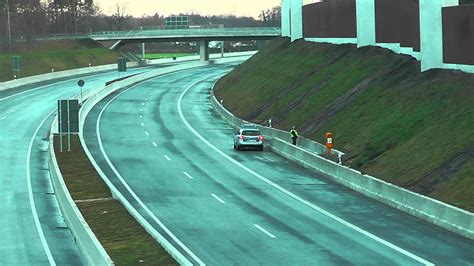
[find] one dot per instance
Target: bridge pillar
(296, 20)
(285, 18)
(365, 10)
(431, 32)
(204, 50)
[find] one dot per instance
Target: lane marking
(141, 110)
(143, 104)
(264, 231)
(4, 117)
(167, 157)
(218, 199)
(188, 175)
(154, 144)
(288, 193)
(142, 124)
(141, 116)
(30, 193)
(146, 99)
(134, 195)
(147, 133)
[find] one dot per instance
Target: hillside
(60, 55)
(410, 128)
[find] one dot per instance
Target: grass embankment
(60, 55)
(165, 55)
(126, 242)
(410, 128)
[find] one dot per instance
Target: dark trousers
(294, 140)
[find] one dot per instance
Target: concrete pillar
(204, 50)
(296, 19)
(431, 32)
(365, 13)
(285, 18)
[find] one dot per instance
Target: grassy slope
(410, 128)
(60, 55)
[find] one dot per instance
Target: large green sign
(177, 22)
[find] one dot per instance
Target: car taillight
(241, 137)
(261, 138)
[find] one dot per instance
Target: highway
(32, 229)
(161, 144)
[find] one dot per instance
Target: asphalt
(32, 229)
(171, 155)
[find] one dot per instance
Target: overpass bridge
(201, 35)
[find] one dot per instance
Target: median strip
(120, 234)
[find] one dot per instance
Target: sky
(139, 8)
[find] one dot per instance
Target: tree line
(24, 19)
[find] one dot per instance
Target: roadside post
(81, 83)
(329, 142)
(122, 65)
(16, 66)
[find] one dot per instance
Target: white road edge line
(188, 175)
(264, 231)
(167, 157)
(30, 194)
(122, 180)
(292, 195)
(154, 144)
(218, 199)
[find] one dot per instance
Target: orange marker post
(329, 143)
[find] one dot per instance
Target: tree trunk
(9, 27)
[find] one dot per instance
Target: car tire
(235, 147)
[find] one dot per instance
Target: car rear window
(250, 133)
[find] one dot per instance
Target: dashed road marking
(188, 175)
(141, 116)
(142, 124)
(167, 157)
(146, 133)
(154, 144)
(218, 199)
(264, 231)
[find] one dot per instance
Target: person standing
(294, 135)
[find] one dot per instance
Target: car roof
(249, 126)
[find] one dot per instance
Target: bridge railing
(270, 31)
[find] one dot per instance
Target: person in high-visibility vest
(294, 135)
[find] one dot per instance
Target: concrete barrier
(95, 96)
(89, 246)
(90, 70)
(307, 153)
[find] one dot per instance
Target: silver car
(248, 136)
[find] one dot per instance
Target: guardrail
(89, 246)
(431, 210)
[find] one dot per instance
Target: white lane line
(141, 116)
(270, 160)
(167, 157)
(3, 117)
(292, 195)
(141, 110)
(147, 133)
(134, 195)
(218, 199)
(142, 124)
(146, 99)
(264, 231)
(143, 104)
(154, 144)
(31, 197)
(188, 175)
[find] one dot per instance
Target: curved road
(167, 151)
(32, 229)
